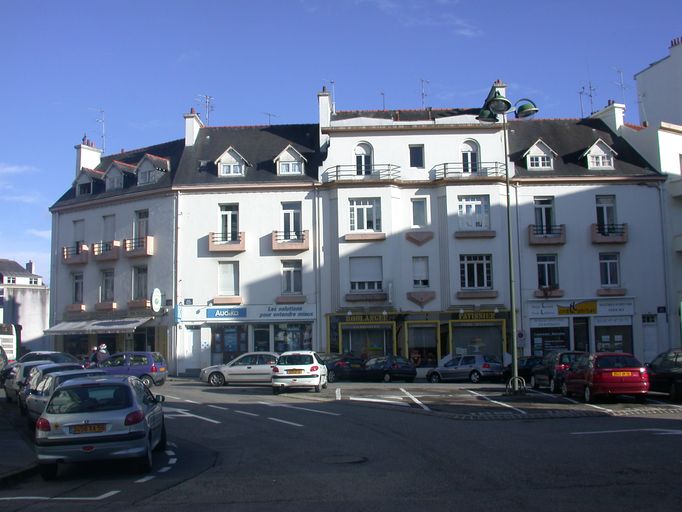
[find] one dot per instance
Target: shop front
(209, 335)
(586, 325)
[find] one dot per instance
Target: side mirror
(160, 399)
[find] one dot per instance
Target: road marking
(664, 403)
(172, 460)
(338, 393)
(604, 409)
(300, 408)
(656, 431)
(184, 413)
(192, 402)
(173, 397)
(145, 479)
(378, 400)
(286, 422)
(246, 413)
(496, 402)
(218, 407)
(170, 453)
(172, 444)
(164, 469)
(60, 498)
(416, 401)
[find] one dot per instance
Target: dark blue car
(149, 367)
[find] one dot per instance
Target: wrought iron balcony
(364, 173)
(141, 246)
(106, 251)
(290, 240)
(225, 242)
(609, 233)
(540, 234)
(76, 254)
(461, 171)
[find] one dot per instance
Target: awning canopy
(98, 326)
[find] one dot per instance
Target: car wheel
(216, 379)
(587, 395)
(552, 386)
(434, 378)
(163, 441)
(675, 391)
(146, 461)
(324, 384)
(48, 471)
(533, 382)
(387, 377)
(564, 390)
(474, 377)
(147, 381)
(331, 376)
(318, 388)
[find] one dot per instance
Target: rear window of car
(617, 362)
(80, 399)
(296, 359)
(569, 358)
(139, 360)
(158, 358)
(491, 359)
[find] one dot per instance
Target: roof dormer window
(290, 162)
(114, 181)
(84, 188)
(600, 156)
(540, 156)
(151, 168)
(231, 163)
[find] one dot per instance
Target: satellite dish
(156, 300)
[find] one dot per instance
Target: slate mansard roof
(570, 138)
(195, 165)
(11, 268)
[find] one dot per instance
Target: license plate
(621, 374)
(295, 372)
(162, 369)
(355, 366)
(88, 429)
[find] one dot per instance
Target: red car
(606, 374)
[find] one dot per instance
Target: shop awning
(98, 326)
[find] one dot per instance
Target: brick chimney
(30, 267)
(192, 126)
(87, 155)
(324, 103)
(613, 115)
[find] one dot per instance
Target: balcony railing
(458, 170)
(609, 233)
(76, 254)
(290, 240)
(364, 173)
(223, 242)
(141, 246)
(106, 251)
(540, 234)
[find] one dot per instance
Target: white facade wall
(658, 89)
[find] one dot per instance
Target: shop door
(581, 333)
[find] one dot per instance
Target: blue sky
(145, 63)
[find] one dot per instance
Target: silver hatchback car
(249, 368)
(99, 418)
(467, 367)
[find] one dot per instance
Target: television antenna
(621, 84)
(332, 83)
(589, 92)
(424, 94)
(207, 101)
(270, 116)
(383, 100)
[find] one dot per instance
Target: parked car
(665, 373)
(606, 373)
(48, 355)
(6, 372)
(248, 368)
(149, 367)
(525, 365)
(99, 418)
(550, 372)
(343, 367)
(17, 377)
(37, 399)
(473, 368)
(299, 369)
(3, 358)
(34, 376)
(389, 368)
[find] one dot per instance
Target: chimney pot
(192, 110)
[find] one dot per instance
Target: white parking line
(145, 479)
(246, 413)
(173, 397)
(496, 402)
(416, 401)
(338, 393)
(218, 407)
(378, 400)
(192, 402)
(164, 469)
(170, 453)
(172, 460)
(183, 413)
(61, 498)
(300, 408)
(286, 422)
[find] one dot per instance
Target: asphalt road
(385, 447)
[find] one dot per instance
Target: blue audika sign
(226, 313)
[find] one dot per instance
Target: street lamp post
(496, 106)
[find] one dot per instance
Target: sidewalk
(17, 459)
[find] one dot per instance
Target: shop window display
(422, 346)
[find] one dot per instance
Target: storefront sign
(477, 315)
(607, 307)
(366, 318)
(588, 307)
(613, 320)
(226, 313)
(539, 323)
(268, 313)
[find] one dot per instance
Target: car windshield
(491, 359)
(96, 398)
(569, 358)
(617, 361)
(294, 359)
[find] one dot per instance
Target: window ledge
(478, 294)
(290, 299)
(75, 308)
(476, 234)
(544, 293)
(364, 237)
(139, 304)
(105, 306)
(231, 300)
(611, 292)
(421, 298)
